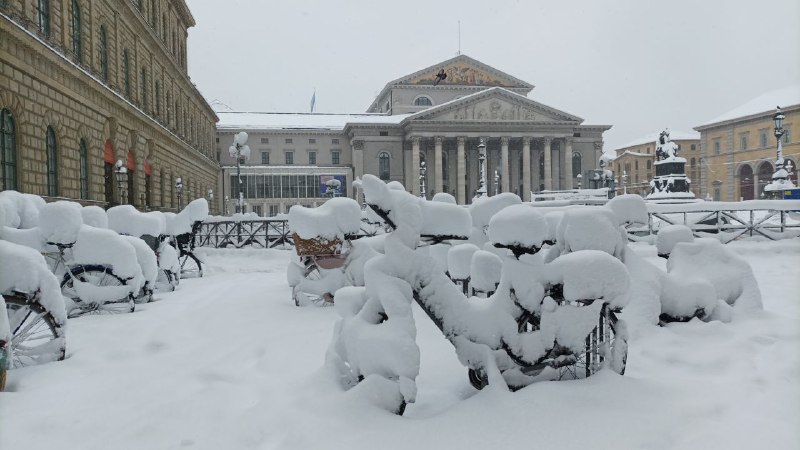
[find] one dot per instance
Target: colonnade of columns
(530, 148)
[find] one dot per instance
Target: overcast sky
(638, 65)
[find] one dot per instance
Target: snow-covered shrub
(94, 216)
(334, 219)
(59, 222)
(670, 235)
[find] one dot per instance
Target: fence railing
(773, 220)
(266, 233)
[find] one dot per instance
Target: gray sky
(637, 65)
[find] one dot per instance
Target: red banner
(131, 161)
(108, 152)
(148, 169)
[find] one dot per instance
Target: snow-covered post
(481, 192)
(496, 182)
(239, 150)
(422, 171)
(580, 178)
(780, 179)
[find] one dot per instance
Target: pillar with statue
(670, 182)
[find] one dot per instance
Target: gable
(463, 71)
(495, 104)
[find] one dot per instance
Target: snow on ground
(228, 361)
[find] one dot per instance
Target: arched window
(52, 163)
(8, 151)
(541, 167)
(153, 13)
(103, 47)
(423, 101)
(84, 168)
(158, 99)
(77, 48)
(44, 17)
(161, 188)
(131, 163)
(126, 72)
(765, 172)
(384, 171)
(164, 28)
(650, 164)
(746, 191)
(143, 88)
(576, 164)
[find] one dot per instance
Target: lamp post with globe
(780, 179)
(121, 173)
(240, 151)
(179, 190)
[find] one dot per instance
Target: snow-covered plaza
(228, 361)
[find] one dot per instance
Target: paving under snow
(228, 362)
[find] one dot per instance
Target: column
(505, 176)
(461, 173)
(358, 167)
(568, 163)
(414, 165)
(548, 165)
(438, 165)
(526, 169)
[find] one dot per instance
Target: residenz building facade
(415, 121)
(87, 85)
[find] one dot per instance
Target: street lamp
(580, 178)
(179, 190)
(422, 171)
(226, 205)
(239, 150)
(481, 192)
(211, 197)
(121, 172)
(780, 179)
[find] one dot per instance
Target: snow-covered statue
(670, 181)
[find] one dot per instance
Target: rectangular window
(762, 137)
(787, 135)
(273, 210)
(335, 157)
(288, 140)
(743, 142)
(717, 150)
(312, 158)
(384, 133)
(312, 141)
(257, 210)
(335, 141)
(289, 157)
(265, 158)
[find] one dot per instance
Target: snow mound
(146, 258)
(444, 197)
(396, 186)
(589, 228)
(629, 208)
(333, 219)
(669, 236)
(125, 219)
(24, 269)
(592, 274)
(483, 208)
(459, 259)
(20, 210)
(195, 211)
(485, 271)
(444, 219)
(518, 225)
(59, 222)
(101, 246)
(94, 216)
(731, 276)
(29, 237)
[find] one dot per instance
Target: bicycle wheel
(102, 277)
(311, 272)
(36, 337)
(606, 345)
(191, 267)
(166, 281)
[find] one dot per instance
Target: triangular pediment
(462, 71)
(495, 104)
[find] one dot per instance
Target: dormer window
(423, 100)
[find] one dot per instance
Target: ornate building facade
(418, 119)
(739, 148)
(634, 164)
(85, 84)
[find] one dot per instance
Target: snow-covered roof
(628, 152)
(767, 102)
(674, 135)
(300, 121)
